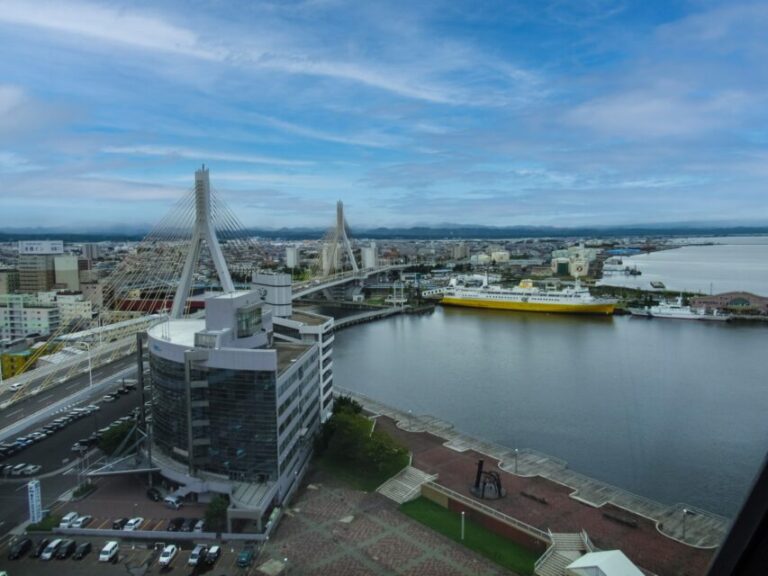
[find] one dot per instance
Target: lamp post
(516, 460)
(462, 524)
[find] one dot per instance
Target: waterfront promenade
(649, 532)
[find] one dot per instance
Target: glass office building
(233, 411)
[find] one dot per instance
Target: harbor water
(731, 263)
(671, 410)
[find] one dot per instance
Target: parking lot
(134, 558)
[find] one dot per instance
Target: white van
(68, 520)
(109, 552)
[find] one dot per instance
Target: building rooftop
(287, 354)
(178, 331)
(308, 318)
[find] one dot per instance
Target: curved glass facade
(233, 419)
(169, 407)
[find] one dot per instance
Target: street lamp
(462, 524)
(516, 460)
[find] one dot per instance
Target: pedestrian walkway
(544, 492)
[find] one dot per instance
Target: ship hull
(606, 309)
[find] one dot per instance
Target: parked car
(17, 469)
(168, 554)
(38, 549)
(174, 502)
(68, 519)
(189, 524)
(19, 548)
(82, 550)
(51, 549)
(154, 494)
(119, 524)
(82, 521)
(199, 526)
(174, 524)
(197, 555)
(212, 555)
(108, 398)
(66, 549)
(245, 558)
(110, 552)
(134, 523)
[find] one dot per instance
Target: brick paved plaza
(337, 531)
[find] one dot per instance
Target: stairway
(565, 549)
(406, 485)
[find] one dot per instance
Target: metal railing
(492, 512)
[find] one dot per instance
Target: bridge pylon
(337, 249)
(203, 230)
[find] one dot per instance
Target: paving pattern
(336, 531)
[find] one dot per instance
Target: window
(248, 320)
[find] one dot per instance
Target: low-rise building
(735, 302)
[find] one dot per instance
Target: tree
(112, 439)
(216, 514)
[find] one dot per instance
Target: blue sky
(501, 113)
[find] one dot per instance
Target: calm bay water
(732, 264)
(672, 410)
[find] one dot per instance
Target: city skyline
(503, 114)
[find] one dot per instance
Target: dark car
(154, 494)
(212, 555)
(245, 558)
(119, 524)
(19, 548)
(66, 549)
(39, 547)
(189, 524)
(82, 550)
(175, 524)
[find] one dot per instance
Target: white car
(168, 554)
(82, 521)
(134, 523)
(16, 386)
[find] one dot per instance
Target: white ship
(675, 310)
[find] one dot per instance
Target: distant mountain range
(443, 231)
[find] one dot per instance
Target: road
(54, 453)
(31, 404)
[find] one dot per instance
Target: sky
(507, 113)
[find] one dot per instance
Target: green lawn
(500, 550)
(366, 479)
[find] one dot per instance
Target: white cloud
(201, 155)
(659, 113)
(106, 24)
(368, 139)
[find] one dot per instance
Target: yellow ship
(525, 297)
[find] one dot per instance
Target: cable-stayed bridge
(198, 240)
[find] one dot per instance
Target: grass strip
(496, 548)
